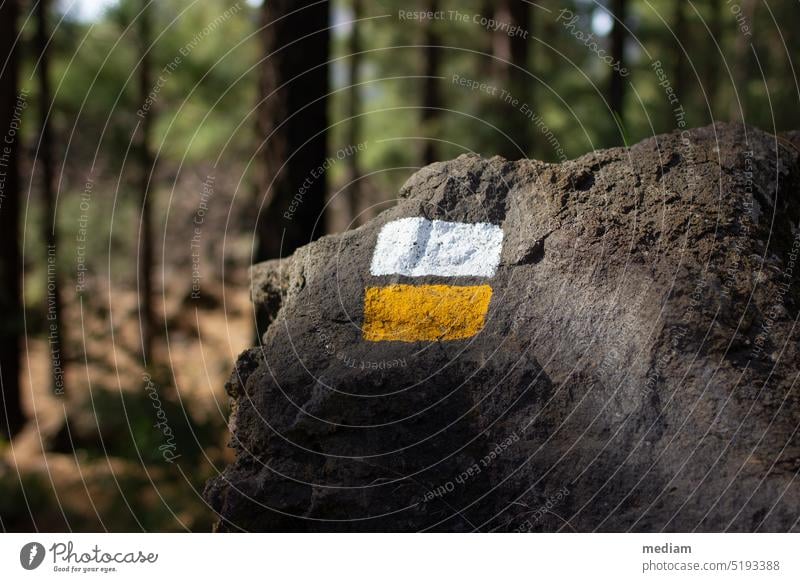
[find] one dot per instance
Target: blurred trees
(514, 64)
(431, 93)
(743, 66)
(389, 85)
(143, 112)
(617, 82)
(354, 193)
(53, 304)
(679, 64)
(11, 106)
(711, 72)
(144, 258)
(292, 123)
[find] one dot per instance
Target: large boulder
(636, 368)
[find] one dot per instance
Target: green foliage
(204, 69)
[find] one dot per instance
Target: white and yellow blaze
(416, 247)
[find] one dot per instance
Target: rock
(268, 282)
(636, 369)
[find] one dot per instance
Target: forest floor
(97, 457)
(90, 459)
(124, 448)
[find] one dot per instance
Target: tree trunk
(146, 162)
(354, 126)
(711, 77)
(53, 303)
(431, 97)
(616, 87)
(679, 68)
(741, 62)
(487, 66)
(11, 417)
(292, 124)
(512, 52)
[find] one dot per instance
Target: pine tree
(616, 87)
(11, 416)
(431, 97)
(146, 166)
(354, 106)
(292, 124)
(53, 304)
(512, 52)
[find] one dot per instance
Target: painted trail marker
(416, 247)
(424, 312)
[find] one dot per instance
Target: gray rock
(637, 371)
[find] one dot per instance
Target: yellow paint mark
(411, 313)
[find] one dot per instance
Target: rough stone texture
(637, 372)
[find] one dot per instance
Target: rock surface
(638, 368)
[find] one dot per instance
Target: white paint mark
(417, 246)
